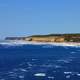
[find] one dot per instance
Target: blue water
(24, 62)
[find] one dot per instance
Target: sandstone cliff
(49, 38)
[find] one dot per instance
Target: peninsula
(49, 38)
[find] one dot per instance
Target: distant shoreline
(49, 38)
(22, 42)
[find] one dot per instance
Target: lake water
(39, 62)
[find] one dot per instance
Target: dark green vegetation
(71, 35)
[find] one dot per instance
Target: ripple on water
(40, 74)
(73, 52)
(68, 76)
(2, 79)
(21, 76)
(51, 77)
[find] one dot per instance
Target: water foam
(46, 44)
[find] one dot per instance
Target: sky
(30, 17)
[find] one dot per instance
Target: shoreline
(40, 43)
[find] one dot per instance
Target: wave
(45, 44)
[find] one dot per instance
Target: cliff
(49, 38)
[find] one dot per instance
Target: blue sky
(27, 17)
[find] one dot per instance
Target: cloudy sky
(28, 17)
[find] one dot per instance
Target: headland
(52, 39)
(49, 38)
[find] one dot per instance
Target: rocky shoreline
(22, 42)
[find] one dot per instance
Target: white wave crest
(46, 44)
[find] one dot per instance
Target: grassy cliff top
(63, 35)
